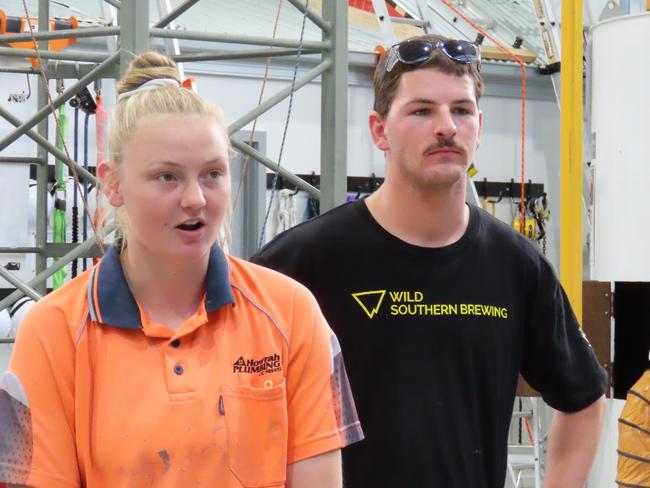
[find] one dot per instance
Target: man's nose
(445, 126)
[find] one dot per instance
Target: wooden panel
(596, 321)
(596, 324)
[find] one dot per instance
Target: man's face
(431, 131)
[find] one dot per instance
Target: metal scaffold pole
(41, 169)
(334, 108)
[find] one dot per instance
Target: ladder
(524, 459)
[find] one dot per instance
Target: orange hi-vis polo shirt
(99, 395)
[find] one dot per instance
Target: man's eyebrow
(422, 100)
(433, 102)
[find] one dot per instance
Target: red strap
(189, 83)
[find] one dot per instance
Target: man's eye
(461, 111)
(214, 174)
(422, 111)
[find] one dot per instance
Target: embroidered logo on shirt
(265, 365)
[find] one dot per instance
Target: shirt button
(178, 369)
(175, 343)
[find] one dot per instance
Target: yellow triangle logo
(372, 301)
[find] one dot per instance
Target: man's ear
(377, 124)
(107, 174)
(480, 129)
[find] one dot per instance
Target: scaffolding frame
(134, 36)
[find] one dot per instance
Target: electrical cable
(75, 206)
(247, 158)
(86, 214)
(286, 125)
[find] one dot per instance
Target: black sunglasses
(416, 51)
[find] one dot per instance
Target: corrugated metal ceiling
(504, 19)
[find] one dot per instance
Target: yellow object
(571, 155)
(472, 170)
(634, 436)
(487, 202)
(530, 230)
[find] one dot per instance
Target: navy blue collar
(111, 302)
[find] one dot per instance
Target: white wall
(14, 177)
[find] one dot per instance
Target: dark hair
(386, 83)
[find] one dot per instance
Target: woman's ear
(109, 180)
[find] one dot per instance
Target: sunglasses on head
(417, 51)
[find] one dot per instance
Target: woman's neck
(168, 294)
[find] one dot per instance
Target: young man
(438, 306)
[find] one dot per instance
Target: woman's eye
(166, 178)
(214, 174)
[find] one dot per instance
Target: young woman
(171, 364)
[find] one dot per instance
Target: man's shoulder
(506, 238)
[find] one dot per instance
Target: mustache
(445, 142)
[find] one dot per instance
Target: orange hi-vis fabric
(98, 395)
(634, 436)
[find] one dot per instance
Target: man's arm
(572, 445)
(322, 471)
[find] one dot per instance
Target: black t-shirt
(433, 340)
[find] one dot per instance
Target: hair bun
(145, 67)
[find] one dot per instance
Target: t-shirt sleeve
(558, 360)
(322, 414)
(37, 442)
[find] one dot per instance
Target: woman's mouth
(190, 225)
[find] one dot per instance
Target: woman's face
(174, 186)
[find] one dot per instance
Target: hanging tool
(488, 201)
(18, 25)
(75, 197)
(59, 223)
(85, 102)
(21, 97)
(84, 225)
(538, 208)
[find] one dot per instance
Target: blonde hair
(169, 99)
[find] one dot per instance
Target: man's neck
(435, 218)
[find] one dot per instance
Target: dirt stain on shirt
(164, 455)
